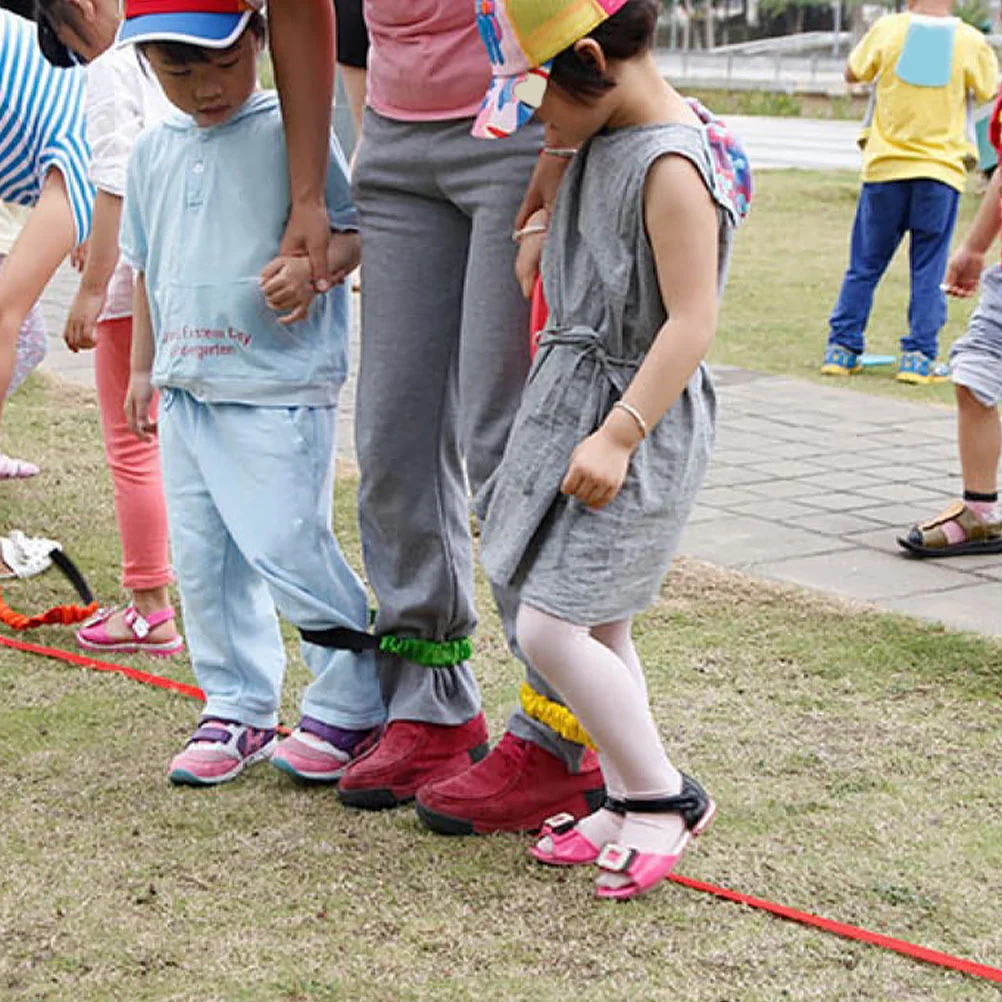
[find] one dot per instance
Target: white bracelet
(564, 152)
(528, 231)
(635, 414)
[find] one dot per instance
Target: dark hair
(627, 33)
(23, 8)
(184, 53)
(50, 15)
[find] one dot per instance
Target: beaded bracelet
(564, 152)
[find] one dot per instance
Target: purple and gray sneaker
(219, 751)
(316, 752)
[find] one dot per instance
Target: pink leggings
(135, 466)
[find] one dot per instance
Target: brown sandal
(929, 540)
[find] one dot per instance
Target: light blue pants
(249, 493)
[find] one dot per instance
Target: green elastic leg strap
(429, 653)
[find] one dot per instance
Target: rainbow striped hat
(522, 37)
(215, 24)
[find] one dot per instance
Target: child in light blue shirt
(249, 365)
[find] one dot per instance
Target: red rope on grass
(847, 931)
(946, 960)
(82, 661)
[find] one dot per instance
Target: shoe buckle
(560, 824)
(616, 858)
(135, 622)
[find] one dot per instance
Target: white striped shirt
(41, 123)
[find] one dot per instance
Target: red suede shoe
(410, 754)
(515, 789)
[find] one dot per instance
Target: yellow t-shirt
(921, 131)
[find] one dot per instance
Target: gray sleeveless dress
(593, 567)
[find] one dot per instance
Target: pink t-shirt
(426, 62)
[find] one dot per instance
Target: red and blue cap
(214, 24)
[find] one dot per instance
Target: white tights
(598, 674)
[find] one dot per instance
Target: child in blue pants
(924, 65)
(249, 371)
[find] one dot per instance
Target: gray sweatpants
(443, 361)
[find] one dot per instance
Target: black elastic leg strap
(340, 638)
(691, 803)
(73, 575)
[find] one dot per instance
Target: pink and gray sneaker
(316, 752)
(219, 751)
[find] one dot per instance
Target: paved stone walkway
(810, 485)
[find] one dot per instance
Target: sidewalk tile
(907, 493)
(974, 607)
(883, 538)
(789, 469)
(783, 489)
(721, 497)
(733, 476)
(776, 510)
(840, 501)
(862, 574)
(732, 455)
(842, 480)
(835, 523)
(740, 541)
(898, 515)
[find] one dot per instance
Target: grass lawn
(789, 260)
(855, 758)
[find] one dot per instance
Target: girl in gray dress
(615, 429)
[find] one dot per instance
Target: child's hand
(138, 401)
(344, 252)
(287, 285)
(79, 332)
(963, 274)
(598, 468)
(530, 251)
(78, 257)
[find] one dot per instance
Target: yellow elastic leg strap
(558, 718)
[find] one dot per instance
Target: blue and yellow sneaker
(921, 370)
(840, 361)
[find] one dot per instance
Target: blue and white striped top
(41, 123)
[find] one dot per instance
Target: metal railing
(779, 72)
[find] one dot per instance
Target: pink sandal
(645, 870)
(94, 635)
(568, 846)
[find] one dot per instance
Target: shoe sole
(312, 778)
(181, 777)
(913, 380)
(385, 798)
(956, 550)
(832, 370)
(445, 824)
(153, 650)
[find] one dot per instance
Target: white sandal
(16, 469)
(26, 556)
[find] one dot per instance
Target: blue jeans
(886, 212)
(249, 493)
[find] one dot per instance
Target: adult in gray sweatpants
(444, 357)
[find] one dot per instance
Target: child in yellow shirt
(926, 67)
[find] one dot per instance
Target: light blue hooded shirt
(205, 211)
